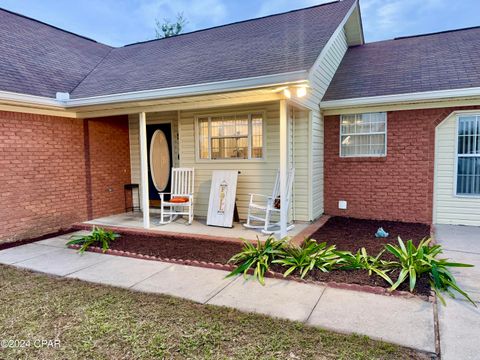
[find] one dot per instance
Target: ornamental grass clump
(259, 257)
(362, 261)
(410, 262)
(413, 261)
(99, 236)
(310, 255)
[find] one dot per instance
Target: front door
(159, 144)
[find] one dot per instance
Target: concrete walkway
(459, 321)
(406, 322)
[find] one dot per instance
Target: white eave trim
(28, 99)
(190, 90)
(401, 98)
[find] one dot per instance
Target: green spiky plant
(362, 261)
(308, 256)
(259, 257)
(97, 236)
(413, 261)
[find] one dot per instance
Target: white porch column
(283, 167)
(142, 119)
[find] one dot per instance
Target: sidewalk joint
(155, 273)
(220, 290)
(315, 306)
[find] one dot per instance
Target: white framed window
(468, 155)
(363, 135)
(237, 136)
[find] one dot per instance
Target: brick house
(384, 130)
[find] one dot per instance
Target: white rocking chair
(262, 212)
(181, 196)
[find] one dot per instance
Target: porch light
(301, 91)
(287, 93)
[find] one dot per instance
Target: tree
(168, 29)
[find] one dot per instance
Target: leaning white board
(222, 198)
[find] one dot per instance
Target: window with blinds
(234, 136)
(468, 155)
(363, 135)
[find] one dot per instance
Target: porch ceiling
(181, 103)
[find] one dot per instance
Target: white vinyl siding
(317, 161)
(322, 74)
(450, 208)
(256, 175)
(300, 160)
(320, 77)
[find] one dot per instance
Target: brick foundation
(398, 187)
(44, 162)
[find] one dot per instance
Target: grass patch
(101, 322)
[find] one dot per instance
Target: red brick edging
(271, 274)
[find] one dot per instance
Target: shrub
(308, 256)
(414, 261)
(258, 257)
(98, 236)
(362, 261)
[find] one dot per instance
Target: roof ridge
(436, 33)
(237, 22)
(53, 26)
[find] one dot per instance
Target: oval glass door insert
(159, 160)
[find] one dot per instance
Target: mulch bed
(352, 234)
(177, 247)
(346, 233)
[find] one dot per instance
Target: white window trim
(353, 134)
(232, 160)
(455, 179)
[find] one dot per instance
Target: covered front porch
(134, 220)
(282, 134)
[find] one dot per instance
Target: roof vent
(62, 96)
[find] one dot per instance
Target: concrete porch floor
(199, 226)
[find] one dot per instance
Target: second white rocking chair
(262, 212)
(181, 196)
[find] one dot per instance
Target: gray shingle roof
(270, 45)
(440, 61)
(39, 59)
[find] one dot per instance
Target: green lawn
(99, 322)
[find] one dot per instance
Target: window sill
(473, 196)
(363, 159)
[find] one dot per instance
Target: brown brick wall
(110, 164)
(397, 187)
(43, 171)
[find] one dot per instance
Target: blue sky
(120, 22)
